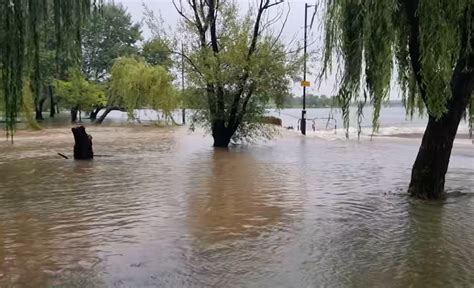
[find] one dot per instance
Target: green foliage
(20, 23)
(194, 98)
(157, 51)
(136, 84)
(80, 93)
(371, 35)
(28, 107)
(312, 101)
(235, 84)
(109, 34)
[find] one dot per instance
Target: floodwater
(160, 207)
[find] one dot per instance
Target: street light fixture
(305, 83)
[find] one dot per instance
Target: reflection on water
(165, 209)
(232, 202)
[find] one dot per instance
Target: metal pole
(303, 113)
(183, 111)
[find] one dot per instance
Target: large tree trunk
(106, 112)
(74, 111)
(221, 134)
(93, 114)
(83, 144)
(52, 111)
(431, 165)
(39, 114)
(39, 110)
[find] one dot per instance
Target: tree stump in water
(83, 144)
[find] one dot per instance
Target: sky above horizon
(293, 30)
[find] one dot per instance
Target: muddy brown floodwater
(166, 209)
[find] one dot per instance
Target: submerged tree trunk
(106, 112)
(431, 165)
(102, 117)
(52, 110)
(83, 144)
(39, 110)
(74, 111)
(221, 134)
(39, 114)
(93, 114)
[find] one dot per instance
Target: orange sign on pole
(305, 83)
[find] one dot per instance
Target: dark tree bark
(93, 115)
(432, 161)
(221, 134)
(83, 144)
(74, 111)
(52, 111)
(39, 110)
(106, 112)
(431, 165)
(203, 18)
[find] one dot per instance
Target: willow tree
(20, 24)
(429, 43)
(239, 64)
(135, 84)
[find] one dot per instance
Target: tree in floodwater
(135, 84)
(78, 94)
(239, 64)
(20, 23)
(430, 44)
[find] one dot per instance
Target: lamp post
(183, 111)
(304, 83)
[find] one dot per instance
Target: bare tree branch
(212, 22)
(268, 5)
(264, 5)
(181, 12)
(190, 61)
(282, 26)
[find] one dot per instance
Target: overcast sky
(293, 30)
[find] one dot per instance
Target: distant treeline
(323, 101)
(312, 101)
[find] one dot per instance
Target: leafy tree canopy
(109, 34)
(136, 84)
(157, 51)
(241, 69)
(430, 44)
(23, 20)
(80, 93)
(373, 38)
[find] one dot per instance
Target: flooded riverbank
(166, 209)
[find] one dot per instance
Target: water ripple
(164, 209)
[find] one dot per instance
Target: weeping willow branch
(13, 59)
(20, 22)
(425, 38)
